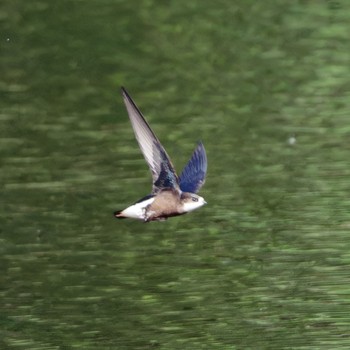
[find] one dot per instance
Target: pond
(264, 85)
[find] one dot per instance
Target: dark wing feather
(192, 177)
(163, 172)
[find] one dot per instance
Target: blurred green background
(265, 85)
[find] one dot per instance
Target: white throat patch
(193, 205)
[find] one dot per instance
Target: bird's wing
(193, 175)
(163, 172)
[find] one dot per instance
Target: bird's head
(191, 201)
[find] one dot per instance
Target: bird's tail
(119, 214)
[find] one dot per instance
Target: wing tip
(200, 144)
(201, 149)
(123, 91)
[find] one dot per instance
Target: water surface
(265, 265)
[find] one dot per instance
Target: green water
(265, 86)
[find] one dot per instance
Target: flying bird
(171, 195)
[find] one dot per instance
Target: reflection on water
(264, 265)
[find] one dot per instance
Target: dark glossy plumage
(163, 173)
(192, 177)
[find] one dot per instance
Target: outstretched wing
(192, 177)
(163, 173)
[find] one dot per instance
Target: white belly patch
(137, 210)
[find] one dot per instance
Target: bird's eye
(194, 199)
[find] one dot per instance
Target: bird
(171, 195)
